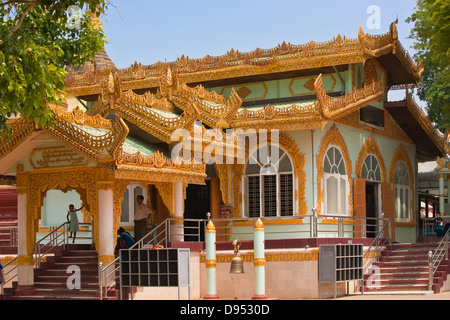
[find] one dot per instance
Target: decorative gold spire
(259, 226)
(210, 228)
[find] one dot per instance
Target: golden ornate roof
(285, 57)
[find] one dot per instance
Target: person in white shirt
(142, 214)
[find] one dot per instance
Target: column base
(211, 297)
(260, 297)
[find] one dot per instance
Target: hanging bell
(237, 264)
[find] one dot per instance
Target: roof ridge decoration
(19, 130)
(378, 45)
(441, 140)
(195, 104)
(335, 108)
(314, 53)
(102, 148)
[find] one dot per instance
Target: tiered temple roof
(153, 101)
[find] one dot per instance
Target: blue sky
(148, 31)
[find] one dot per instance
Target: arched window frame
(371, 168)
(402, 193)
(338, 172)
(278, 186)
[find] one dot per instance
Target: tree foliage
(38, 39)
(431, 32)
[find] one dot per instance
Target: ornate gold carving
(25, 260)
(165, 190)
(81, 180)
(333, 138)
(80, 117)
(102, 148)
(19, 131)
(335, 108)
(284, 57)
(238, 171)
(376, 46)
(106, 259)
(298, 159)
(7, 181)
(401, 155)
(222, 171)
(272, 115)
(259, 262)
(210, 228)
(211, 263)
(370, 147)
(439, 140)
(311, 255)
(259, 226)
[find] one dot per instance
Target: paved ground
(439, 296)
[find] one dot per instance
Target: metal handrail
(13, 232)
(53, 238)
(104, 275)
(382, 239)
(373, 253)
(435, 259)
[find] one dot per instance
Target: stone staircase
(52, 277)
(8, 219)
(404, 269)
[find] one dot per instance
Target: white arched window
(371, 170)
(335, 183)
(402, 193)
(269, 185)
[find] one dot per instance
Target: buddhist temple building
(344, 151)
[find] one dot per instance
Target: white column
(106, 233)
(441, 194)
(177, 227)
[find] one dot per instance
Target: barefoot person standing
(72, 219)
(143, 212)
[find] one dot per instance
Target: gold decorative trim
(25, 260)
(259, 262)
(259, 225)
(20, 130)
(298, 161)
(376, 46)
(333, 138)
(211, 263)
(313, 255)
(335, 108)
(401, 155)
(210, 228)
(370, 147)
(106, 259)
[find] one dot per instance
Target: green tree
(38, 39)
(431, 32)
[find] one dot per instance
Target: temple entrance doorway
(196, 205)
(372, 208)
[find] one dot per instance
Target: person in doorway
(72, 219)
(142, 214)
(124, 240)
(438, 225)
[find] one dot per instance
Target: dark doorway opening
(196, 205)
(371, 209)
